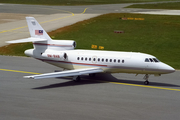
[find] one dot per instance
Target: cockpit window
(151, 60)
(146, 60)
(155, 59)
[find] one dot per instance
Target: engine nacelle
(55, 55)
(55, 45)
(62, 45)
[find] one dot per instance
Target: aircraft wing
(66, 73)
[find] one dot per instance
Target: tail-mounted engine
(56, 45)
(62, 45)
(55, 55)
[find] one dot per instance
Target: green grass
(75, 2)
(156, 35)
(15, 49)
(172, 6)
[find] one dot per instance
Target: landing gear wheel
(76, 78)
(146, 82)
(146, 78)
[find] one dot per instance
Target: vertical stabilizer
(42, 41)
(35, 29)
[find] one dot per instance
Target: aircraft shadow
(101, 78)
(68, 83)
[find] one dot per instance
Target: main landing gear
(146, 78)
(76, 78)
(92, 75)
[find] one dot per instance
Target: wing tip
(29, 77)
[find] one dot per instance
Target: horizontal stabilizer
(66, 73)
(31, 39)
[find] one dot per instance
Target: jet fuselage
(109, 61)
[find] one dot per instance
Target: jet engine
(55, 55)
(61, 45)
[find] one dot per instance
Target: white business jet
(61, 53)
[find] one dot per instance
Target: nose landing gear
(146, 78)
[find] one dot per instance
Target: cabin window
(122, 61)
(110, 60)
(119, 61)
(98, 59)
(94, 59)
(114, 60)
(106, 60)
(146, 60)
(78, 58)
(82, 58)
(86, 59)
(102, 60)
(89, 59)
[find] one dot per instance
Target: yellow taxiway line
(84, 11)
(72, 14)
(18, 71)
(145, 86)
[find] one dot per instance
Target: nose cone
(164, 68)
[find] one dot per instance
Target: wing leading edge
(66, 73)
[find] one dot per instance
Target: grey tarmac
(116, 96)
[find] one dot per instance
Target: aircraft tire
(146, 82)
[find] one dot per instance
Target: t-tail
(35, 29)
(41, 40)
(37, 33)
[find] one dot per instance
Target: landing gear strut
(146, 78)
(76, 78)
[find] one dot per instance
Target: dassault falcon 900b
(61, 53)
